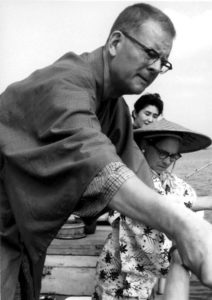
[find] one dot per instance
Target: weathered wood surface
(89, 245)
(70, 267)
(198, 291)
(67, 275)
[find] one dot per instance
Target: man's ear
(115, 42)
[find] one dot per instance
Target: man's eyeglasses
(152, 54)
(164, 154)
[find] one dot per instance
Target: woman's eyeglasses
(164, 154)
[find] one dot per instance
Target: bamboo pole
(197, 170)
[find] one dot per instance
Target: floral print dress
(135, 255)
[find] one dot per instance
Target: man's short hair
(132, 17)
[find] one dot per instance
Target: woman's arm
(177, 282)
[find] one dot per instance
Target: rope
(197, 170)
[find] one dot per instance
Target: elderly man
(67, 146)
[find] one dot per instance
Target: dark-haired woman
(147, 109)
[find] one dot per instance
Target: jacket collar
(97, 61)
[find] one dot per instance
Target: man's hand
(194, 242)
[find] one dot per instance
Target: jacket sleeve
(52, 147)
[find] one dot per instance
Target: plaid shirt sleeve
(102, 188)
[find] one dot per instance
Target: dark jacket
(56, 133)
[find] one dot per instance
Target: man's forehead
(153, 34)
(151, 26)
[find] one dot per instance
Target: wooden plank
(65, 297)
(78, 298)
(66, 261)
(70, 265)
(199, 292)
(69, 281)
(90, 245)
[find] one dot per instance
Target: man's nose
(156, 66)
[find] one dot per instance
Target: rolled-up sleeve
(102, 189)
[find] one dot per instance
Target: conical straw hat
(190, 140)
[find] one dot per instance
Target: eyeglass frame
(165, 154)
(149, 52)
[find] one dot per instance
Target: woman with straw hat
(178, 139)
(135, 255)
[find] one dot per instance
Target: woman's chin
(160, 170)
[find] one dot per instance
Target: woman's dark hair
(149, 99)
(132, 17)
